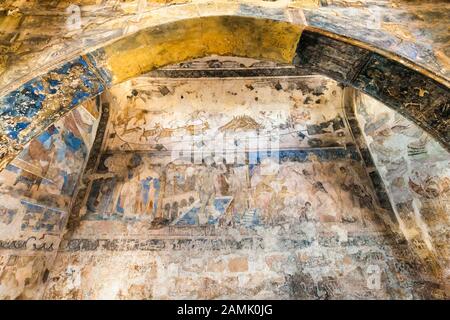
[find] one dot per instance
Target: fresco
(224, 188)
(152, 119)
(156, 183)
(168, 214)
(36, 191)
(152, 188)
(48, 169)
(19, 267)
(277, 230)
(416, 171)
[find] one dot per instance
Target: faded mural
(36, 191)
(416, 171)
(184, 205)
(224, 177)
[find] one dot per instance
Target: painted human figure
(237, 187)
(152, 196)
(222, 183)
(360, 198)
(127, 199)
(146, 197)
(206, 191)
(306, 213)
(345, 180)
(98, 202)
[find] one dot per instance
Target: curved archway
(26, 111)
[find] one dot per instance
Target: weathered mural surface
(416, 171)
(36, 191)
(169, 156)
(184, 204)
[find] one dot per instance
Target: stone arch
(424, 98)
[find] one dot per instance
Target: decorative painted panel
(36, 192)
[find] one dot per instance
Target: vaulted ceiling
(373, 46)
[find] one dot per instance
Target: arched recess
(409, 89)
